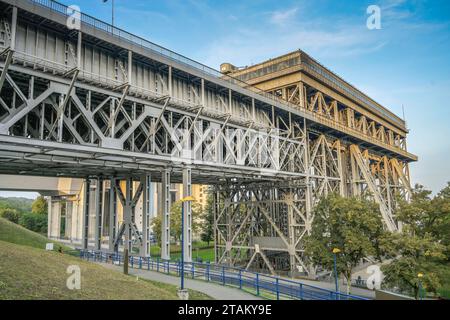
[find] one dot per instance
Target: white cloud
(282, 18)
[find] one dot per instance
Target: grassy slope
(11, 232)
(29, 272)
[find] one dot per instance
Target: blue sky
(407, 62)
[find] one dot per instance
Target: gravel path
(213, 290)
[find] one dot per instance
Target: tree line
(25, 212)
(418, 257)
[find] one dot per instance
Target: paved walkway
(213, 290)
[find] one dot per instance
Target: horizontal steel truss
(262, 225)
(318, 102)
(53, 111)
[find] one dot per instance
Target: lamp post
(420, 276)
(112, 11)
(335, 252)
(186, 199)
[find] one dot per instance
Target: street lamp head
(420, 275)
(336, 250)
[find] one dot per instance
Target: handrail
(260, 284)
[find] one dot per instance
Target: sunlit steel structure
(99, 103)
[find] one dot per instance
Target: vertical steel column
(60, 118)
(112, 213)
(86, 208)
(13, 28)
(127, 212)
(146, 207)
(216, 204)
(98, 213)
(130, 66)
(187, 211)
(79, 48)
(165, 218)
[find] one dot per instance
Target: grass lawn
(28, 272)
(200, 250)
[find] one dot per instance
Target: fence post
(301, 292)
(240, 279)
(257, 284)
(223, 276)
(148, 263)
(168, 266)
(193, 270)
(278, 288)
(207, 271)
(132, 261)
(157, 264)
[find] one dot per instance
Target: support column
(49, 217)
(146, 207)
(165, 217)
(86, 207)
(98, 214)
(187, 208)
(74, 224)
(55, 226)
(13, 28)
(68, 222)
(79, 48)
(112, 213)
(127, 213)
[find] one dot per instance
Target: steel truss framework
(269, 167)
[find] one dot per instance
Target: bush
(10, 214)
(34, 222)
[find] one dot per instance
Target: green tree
(39, 206)
(422, 245)
(413, 255)
(34, 222)
(352, 225)
(208, 230)
(10, 214)
(175, 221)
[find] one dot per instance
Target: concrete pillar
(187, 206)
(55, 219)
(146, 208)
(86, 210)
(68, 215)
(74, 223)
(165, 215)
(98, 213)
(49, 217)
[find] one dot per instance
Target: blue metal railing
(259, 284)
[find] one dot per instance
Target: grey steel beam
(86, 213)
(165, 214)
(112, 213)
(187, 210)
(98, 213)
(146, 209)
